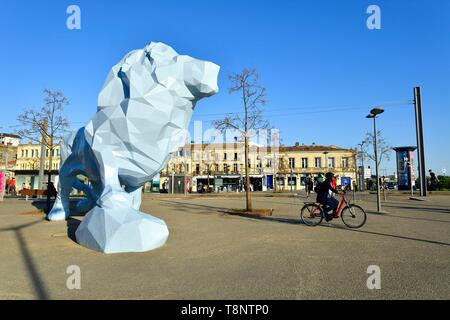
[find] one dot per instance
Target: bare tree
(246, 83)
(384, 149)
(46, 126)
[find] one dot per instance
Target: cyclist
(325, 195)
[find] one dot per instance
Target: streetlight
(361, 174)
(373, 115)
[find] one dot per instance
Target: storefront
(174, 184)
(292, 181)
(29, 179)
(228, 183)
(281, 182)
(256, 182)
(269, 182)
(200, 184)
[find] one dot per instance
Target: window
(46, 152)
(197, 168)
(37, 153)
(331, 162)
(269, 163)
(304, 163)
(187, 167)
(23, 153)
(225, 168)
(32, 153)
(318, 162)
(224, 156)
(344, 162)
(216, 167)
(235, 168)
(26, 153)
(291, 163)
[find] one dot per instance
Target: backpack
(317, 187)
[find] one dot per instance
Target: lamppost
(373, 115)
(361, 174)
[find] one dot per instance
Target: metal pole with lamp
(373, 115)
(361, 174)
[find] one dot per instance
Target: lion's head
(145, 106)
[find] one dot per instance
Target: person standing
(7, 185)
(12, 186)
(433, 180)
(309, 184)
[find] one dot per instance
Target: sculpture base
(121, 229)
(57, 213)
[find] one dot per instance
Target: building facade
(8, 153)
(28, 164)
(221, 167)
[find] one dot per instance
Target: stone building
(8, 153)
(220, 167)
(28, 164)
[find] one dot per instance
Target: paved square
(213, 255)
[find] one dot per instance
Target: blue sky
(321, 65)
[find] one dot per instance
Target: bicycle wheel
(353, 216)
(311, 214)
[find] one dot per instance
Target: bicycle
(352, 215)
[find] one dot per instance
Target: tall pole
(420, 146)
(41, 164)
(173, 179)
(361, 174)
(376, 162)
(248, 198)
(185, 177)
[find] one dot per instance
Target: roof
(314, 148)
(238, 145)
(10, 135)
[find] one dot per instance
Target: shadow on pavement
(36, 280)
(430, 209)
(72, 226)
(386, 235)
(297, 221)
(414, 218)
(264, 218)
(193, 206)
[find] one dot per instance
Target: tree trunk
(275, 170)
(207, 183)
(248, 199)
(49, 180)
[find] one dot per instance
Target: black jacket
(323, 192)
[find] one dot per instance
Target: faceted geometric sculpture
(144, 109)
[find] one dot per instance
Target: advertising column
(405, 167)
